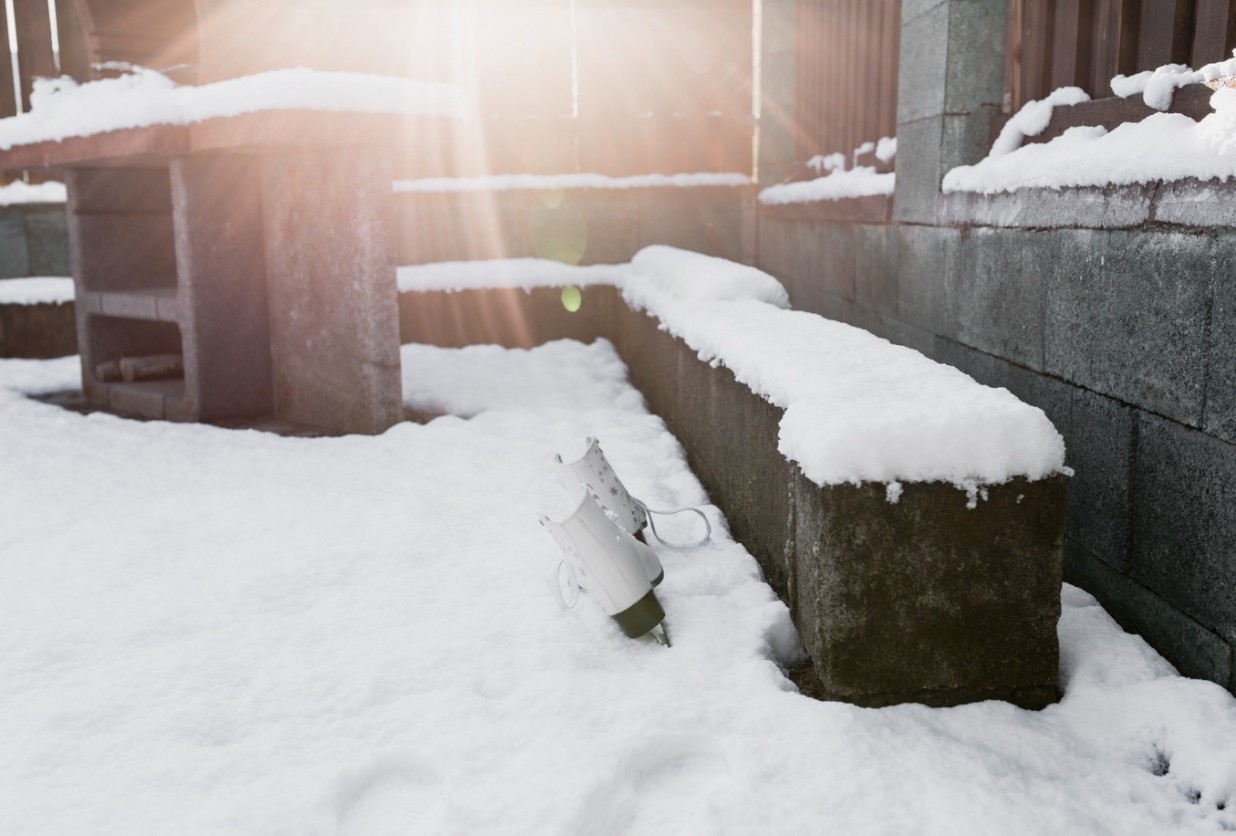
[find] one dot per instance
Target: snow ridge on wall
(61, 108)
(857, 408)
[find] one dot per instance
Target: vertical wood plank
(1035, 49)
(34, 44)
(1213, 32)
(8, 101)
(1165, 33)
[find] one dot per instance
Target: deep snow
(208, 631)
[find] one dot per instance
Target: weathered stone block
(1099, 440)
(1220, 417)
(919, 148)
(999, 292)
(1126, 316)
(38, 331)
(928, 600)
(876, 250)
(923, 65)
(1183, 525)
(926, 259)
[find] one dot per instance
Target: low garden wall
(933, 598)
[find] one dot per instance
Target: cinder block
(224, 318)
(1183, 525)
(876, 250)
(919, 149)
(999, 293)
(1194, 650)
(926, 262)
(910, 9)
(123, 251)
(923, 66)
(968, 612)
(1126, 316)
(1220, 417)
(1099, 440)
(974, 72)
(330, 274)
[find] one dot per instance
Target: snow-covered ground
(207, 631)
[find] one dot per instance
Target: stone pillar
(778, 146)
(328, 219)
(950, 86)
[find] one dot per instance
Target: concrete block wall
(588, 226)
(1126, 338)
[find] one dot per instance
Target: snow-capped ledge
(856, 407)
(1189, 203)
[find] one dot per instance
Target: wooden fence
(1084, 43)
(847, 73)
(612, 86)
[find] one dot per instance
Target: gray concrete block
(1126, 316)
(969, 613)
(910, 9)
(613, 230)
(14, 257)
(918, 170)
(1111, 207)
(1193, 649)
(926, 261)
(1220, 412)
(876, 250)
(1184, 531)
(974, 73)
(47, 241)
(1099, 440)
(330, 273)
(712, 221)
(998, 289)
(923, 66)
(123, 251)
(964, 139)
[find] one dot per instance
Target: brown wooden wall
(1084, 43)
(847, 73)
(655, 85)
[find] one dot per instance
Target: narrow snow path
(206, 631)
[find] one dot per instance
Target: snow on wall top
(857, 408)
(1161, 147)
(62, 108)
(547, 182)
(18, 192)
(40, 290)
(837, 183)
